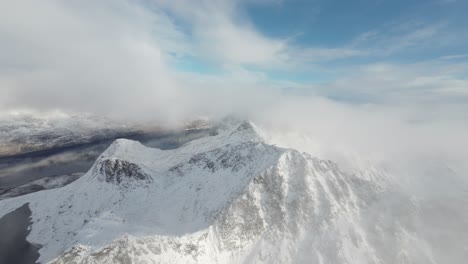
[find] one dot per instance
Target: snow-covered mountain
(227, 198)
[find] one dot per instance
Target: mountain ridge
(227, 198)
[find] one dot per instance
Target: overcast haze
(387, 79)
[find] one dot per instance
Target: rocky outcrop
(117, 171)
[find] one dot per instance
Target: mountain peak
(121, 146)
(237, 128)
(214, 199)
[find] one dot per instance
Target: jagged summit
(225, 198)
(233, 125)
(119, 162)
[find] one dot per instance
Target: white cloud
(418, 83)
(403, 36)
(454, 57)
(220, 33)
(92, 56)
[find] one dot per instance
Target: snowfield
(230, 198)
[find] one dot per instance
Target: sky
(385, 78)
(74, 54)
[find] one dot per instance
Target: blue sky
(337, 22)
(298, 43)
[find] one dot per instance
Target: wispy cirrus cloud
(423, 83)
(403, 37)
(220, 33)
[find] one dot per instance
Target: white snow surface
(226, 198)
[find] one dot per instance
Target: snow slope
(227, 198)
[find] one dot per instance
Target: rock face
(116, 171)
(226, 198)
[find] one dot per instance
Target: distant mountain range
(28, 132)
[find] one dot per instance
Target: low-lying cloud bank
(405, 140)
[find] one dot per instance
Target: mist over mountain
(233, 131)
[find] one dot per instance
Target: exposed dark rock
(116, 170)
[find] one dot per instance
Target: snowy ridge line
(226, 198)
